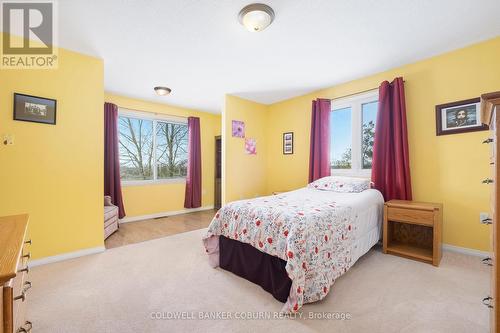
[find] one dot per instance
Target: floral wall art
(238, 129)
(250, 146)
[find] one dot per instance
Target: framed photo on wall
(288, 143)
(459, 117)
(35, 109)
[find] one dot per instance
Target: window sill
(179, 180)
(364, 173)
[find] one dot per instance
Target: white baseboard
(465, 250)
(163, 214)
(100, 249)
(66, 256)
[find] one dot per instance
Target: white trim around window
(355, 102)
(176, 180)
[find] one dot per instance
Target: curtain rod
(357, 93)
(150, 112)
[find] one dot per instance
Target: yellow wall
(244, 176)
(446, 169)
(55, 173)
(159, 198)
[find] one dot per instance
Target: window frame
(155, 118)
(355, 102)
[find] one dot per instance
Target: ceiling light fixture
(162, 91)
(256, 17)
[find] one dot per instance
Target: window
(352, 128)
(341, 138)
(369, 118)
(152, 149)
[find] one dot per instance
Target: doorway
(218, 172)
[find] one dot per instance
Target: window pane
(340, 138)
(136, 148)
(171, 150)
(368, 133)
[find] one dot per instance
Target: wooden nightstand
(413, 230)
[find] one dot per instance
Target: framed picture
(459, 117)
(250, 146)
(35, 109)
(238, 129)
(288, 143)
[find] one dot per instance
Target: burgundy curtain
(112, 183)
(193, 178)
(391, 162)
(319, 156)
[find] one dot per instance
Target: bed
(295, 244)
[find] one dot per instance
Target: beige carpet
(117, 291)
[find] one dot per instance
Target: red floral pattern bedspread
(313, 235)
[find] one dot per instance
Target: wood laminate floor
(140, 231)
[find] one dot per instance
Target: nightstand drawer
(416, 216)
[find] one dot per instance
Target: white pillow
(341, 184)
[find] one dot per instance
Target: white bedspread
(316, 232)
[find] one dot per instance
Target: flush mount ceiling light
(256, 17)
(162, 91)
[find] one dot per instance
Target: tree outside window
(147, 146)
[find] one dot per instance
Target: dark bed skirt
(260, 268)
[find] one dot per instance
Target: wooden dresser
(14, 256)
(490, 105)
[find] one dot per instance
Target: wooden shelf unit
(413, 230)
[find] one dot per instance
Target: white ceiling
(198, 48)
